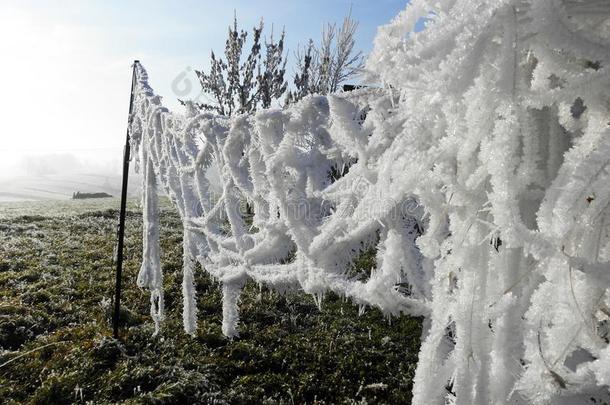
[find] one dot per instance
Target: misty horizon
(57, 175)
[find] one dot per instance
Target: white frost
(491, 138)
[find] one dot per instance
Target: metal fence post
(121, 233)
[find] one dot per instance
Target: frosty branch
(239, 86)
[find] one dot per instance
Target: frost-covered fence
(307, 225)
(480, 175)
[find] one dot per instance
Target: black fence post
(121, 233)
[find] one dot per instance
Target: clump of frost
(479, 173)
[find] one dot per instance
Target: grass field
(56, 280)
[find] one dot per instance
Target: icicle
(318, 298)
(189, 311)
(150, 275)
(230, 308)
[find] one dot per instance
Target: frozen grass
(55, 286)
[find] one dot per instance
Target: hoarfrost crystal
(479, 171)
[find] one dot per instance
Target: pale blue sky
(65, 73)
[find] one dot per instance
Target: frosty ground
(56, 280)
